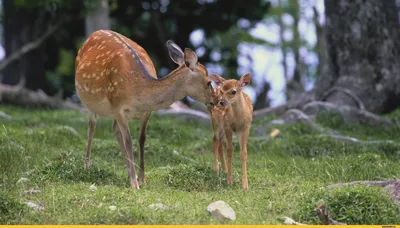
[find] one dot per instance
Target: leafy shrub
(10, 209)
(352, 205)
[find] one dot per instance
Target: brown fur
(116, 78)
(234, 115)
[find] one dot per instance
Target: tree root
(261, 113)
(349, 114)
(347, 92)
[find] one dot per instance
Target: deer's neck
(166, 91)
(239, 107)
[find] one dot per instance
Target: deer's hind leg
(142, 139)
(91, 131)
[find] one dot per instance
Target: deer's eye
(234, 91)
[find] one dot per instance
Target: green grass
(286, 175)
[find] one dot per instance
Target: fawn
(116, 78)
(233, 113)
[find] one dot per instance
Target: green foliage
(68, 167)
(194, 178)
(285, 174)
(10, 209)
(358, 205)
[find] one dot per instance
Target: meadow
(287, 174)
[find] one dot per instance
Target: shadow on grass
(194, 178)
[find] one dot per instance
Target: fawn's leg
(221, 154)
(215, 145)
(229, 149)
(243, 136)
(128, 147)
(142, 138)
(91, 130)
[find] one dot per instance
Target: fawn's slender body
(116, 78)
(234, 113)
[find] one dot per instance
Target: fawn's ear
(175, 52)
(245, 80)
(217, 79)
(190, 59)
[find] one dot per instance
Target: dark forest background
(356, 48)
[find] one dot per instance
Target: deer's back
(107, 74)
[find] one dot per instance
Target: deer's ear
(175, 52)
(245, 80)
(217, 79)
(190, 59)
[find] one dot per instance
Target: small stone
(22, 180)
(112, 208)
(70, 129)
(220, 210)
(93, 188)
(30, 192)
(37, 206)
(158, 206)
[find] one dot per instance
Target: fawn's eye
(234, 91)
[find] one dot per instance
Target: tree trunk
(21, 26)
(98, 17)
(363, 55)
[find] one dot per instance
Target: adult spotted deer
(116, 78)
(233, 113)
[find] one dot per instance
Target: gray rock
(22, 180)
(30, 192)
(220, 210)
(37, 206)
(158, 206)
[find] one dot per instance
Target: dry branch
(355, 140)
(18, 95)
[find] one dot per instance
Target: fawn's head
(229, 90)
(198, 83)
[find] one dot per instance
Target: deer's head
(197, 82)
(229, 90)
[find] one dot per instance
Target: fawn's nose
(223, 102)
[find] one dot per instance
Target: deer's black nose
(223, 102)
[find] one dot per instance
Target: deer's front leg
(221, 155)
(243, 156)
(128, 147)
(229, 149)
(91, 130)
(142, 138)
(215, 145)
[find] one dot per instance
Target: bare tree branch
(29, 46)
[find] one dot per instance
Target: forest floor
(287, 174)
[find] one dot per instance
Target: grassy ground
(286, 175)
